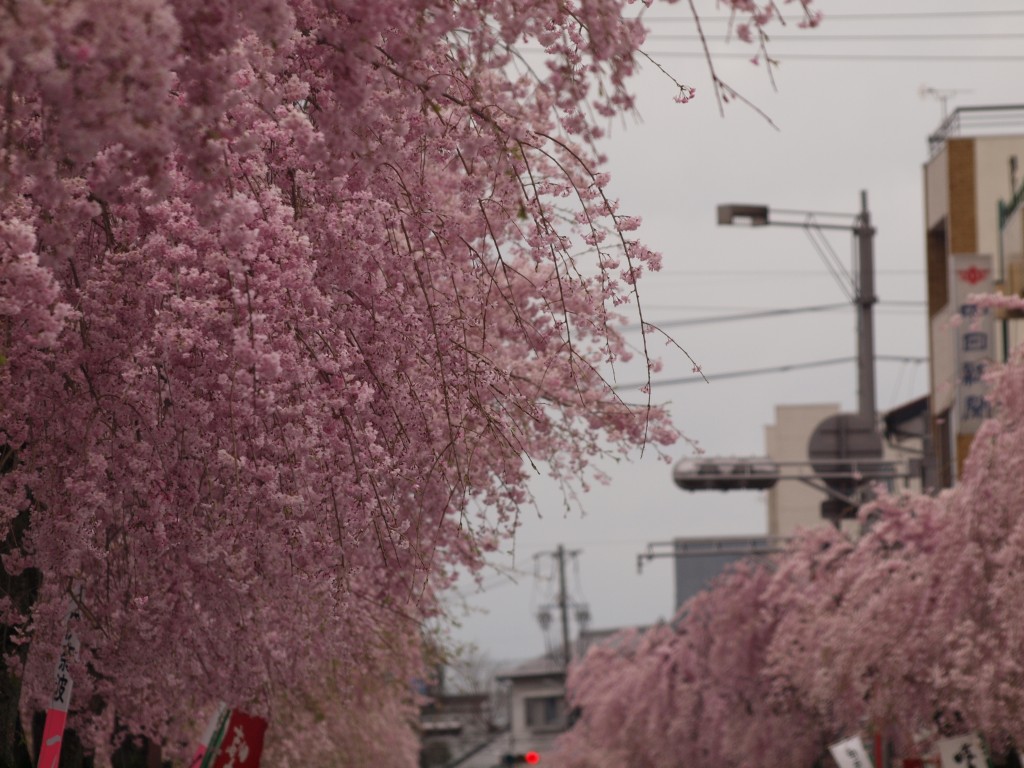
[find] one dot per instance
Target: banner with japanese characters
(57, 712)
(237, 741)
(962, 752)
(850, 753)
(971, 274)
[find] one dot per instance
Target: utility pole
(863, 294)
(563, 605)
(841, 439)
(866, 300)
(563, 602)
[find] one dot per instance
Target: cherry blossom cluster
(293, 304)
(911, 632)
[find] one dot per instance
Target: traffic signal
(522, 758)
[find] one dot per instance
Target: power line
(909, 37)
(713, 377)
(861, 16)
(772, 272)
(741, 316)
(784, 56)
(762, 314)
(690, 307)
(950, 57)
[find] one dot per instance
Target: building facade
(971, 172)
(699, 561)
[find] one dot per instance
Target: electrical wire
(924, 15)
(783, 56)
(828, 256)
(814, 37)
(677, 323)
(713, 377)
(773, 272)
(741, 316)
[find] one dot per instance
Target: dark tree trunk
(22, 590)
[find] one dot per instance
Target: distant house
(454, 725)
(537, 709)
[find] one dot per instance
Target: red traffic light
(530, 758)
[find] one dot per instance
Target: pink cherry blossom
(907, 632)
(292, 310)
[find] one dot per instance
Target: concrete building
(972, 246)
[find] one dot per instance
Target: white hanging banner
(850, 753)
(962, 752)
(204, 743)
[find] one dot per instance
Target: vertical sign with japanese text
(975, 338)
(57, 712)
(850, 753)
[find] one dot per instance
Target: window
(545, 713)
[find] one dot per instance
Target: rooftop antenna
(942, 95)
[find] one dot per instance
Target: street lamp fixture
(757, 215)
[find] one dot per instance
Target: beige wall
(1013, 253)
(1013, 237)
(992, 184)
(943, 360)
(791, 503)
(936, 189)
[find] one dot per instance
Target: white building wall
(522, 734)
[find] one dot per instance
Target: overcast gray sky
(851, 116)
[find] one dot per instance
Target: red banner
(242, 743)
(53, 735)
